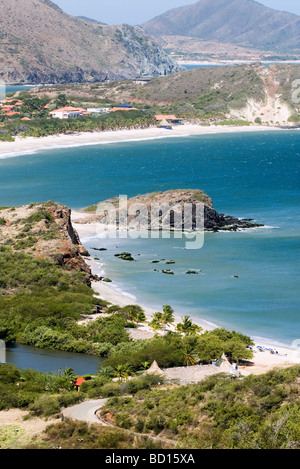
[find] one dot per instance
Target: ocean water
(247, 281)
(14, 88)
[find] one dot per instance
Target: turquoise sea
(248, 281)
(14, 88)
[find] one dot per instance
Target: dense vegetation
(41, 125)
(45, 394)
(258, 412)
(40, 302)
(173, 349)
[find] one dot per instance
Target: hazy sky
(138, 11)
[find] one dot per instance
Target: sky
(138, 11)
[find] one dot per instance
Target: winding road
(85, 412)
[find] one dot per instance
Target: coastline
(263, 360)
(29, 145)
(228, 62)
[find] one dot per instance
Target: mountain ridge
(42, 44)
(244, 22)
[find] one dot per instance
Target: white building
(98, 110)
(68, 112)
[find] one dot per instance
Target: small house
(167, 117)
(78, 383)
(142, 80)
(68, 112)
(164, 124)
(154, 370)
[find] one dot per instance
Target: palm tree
(156, 322)
(120, 372)
(167, 316)
(70, 375)
(107, 371)
(145, 365)
(141, 317)
(124, 371)
(187, 327)
(190, 357)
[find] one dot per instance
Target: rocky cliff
(164, 209)
(44, 231)
(42, 44)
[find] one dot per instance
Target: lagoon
(51, 361)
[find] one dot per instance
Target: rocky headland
(44, 230)
(163, 210)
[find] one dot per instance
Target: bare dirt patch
(15, 432)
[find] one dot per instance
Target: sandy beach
(263, 358)
(229, 62)
(29, 145)
(263, 361)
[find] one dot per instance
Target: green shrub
(295, 118)
(38, 216)
(111, 389)
(45, 406)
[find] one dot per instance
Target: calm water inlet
(50, 361)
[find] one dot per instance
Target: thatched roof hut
(164, 123)
(154, 369)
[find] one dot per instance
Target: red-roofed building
(6, 108)
(79, 382)
(12, 113)
(68, 112)
(114, 109)
(168, 117)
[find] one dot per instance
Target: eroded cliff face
(44, 231)
(149, 56)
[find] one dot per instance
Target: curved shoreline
(30, 145)
(263, 361)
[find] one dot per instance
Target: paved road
(86, 411)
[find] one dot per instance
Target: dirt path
(16, 432)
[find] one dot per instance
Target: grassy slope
(255, 413)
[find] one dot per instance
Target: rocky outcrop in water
(173, 209)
